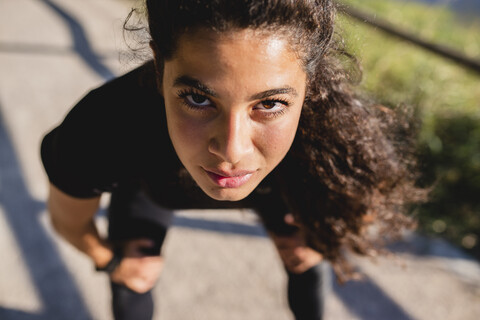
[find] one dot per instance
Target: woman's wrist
(112, 264)
(101, 253)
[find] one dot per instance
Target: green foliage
(446, 97)
(454, 210)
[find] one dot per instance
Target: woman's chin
(228, 194)
(222, 191)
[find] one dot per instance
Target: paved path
(51, 53)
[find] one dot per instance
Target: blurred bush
(446, 98)
(454, 162)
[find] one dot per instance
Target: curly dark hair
(349, 167)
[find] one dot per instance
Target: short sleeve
(107, 136)
(72, 153)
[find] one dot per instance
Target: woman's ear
(158, 64)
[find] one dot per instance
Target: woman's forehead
(224, 46)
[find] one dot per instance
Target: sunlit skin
(233, 102)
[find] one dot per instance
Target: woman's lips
(229, 180)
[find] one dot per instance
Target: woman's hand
(138, 271)
(293, 250)
(73, 218)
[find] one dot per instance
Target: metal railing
(441, 50)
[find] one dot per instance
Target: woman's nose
(232, 138)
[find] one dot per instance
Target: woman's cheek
(187, 135)
(278, 138)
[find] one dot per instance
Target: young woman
(245, 104)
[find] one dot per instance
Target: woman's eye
(197, 100)
(271, 105)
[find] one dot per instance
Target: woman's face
(233, 103)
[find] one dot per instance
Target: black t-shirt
(117, 134)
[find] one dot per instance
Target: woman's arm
(73, 219)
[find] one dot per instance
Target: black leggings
(305, 297)
(130, 305)
(306, 292)
(133, 215)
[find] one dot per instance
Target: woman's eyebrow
(194, 83)
(197, 84)
(272, 92)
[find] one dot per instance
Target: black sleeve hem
(47, 152)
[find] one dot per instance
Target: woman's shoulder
(135, 84)
(126, 107)
(129, 97)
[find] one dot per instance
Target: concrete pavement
(54, 51)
